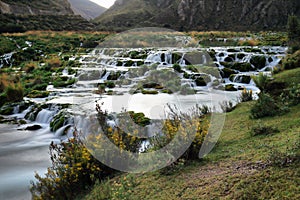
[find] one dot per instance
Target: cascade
(60, 132)
(45, 116)
(104, 78)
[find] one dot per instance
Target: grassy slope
(236, 169)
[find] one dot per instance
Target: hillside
(87, 9)
(241, 166)
(18, 16)
(199, 15)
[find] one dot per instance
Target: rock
(226, 72)
(258, 61)
(230, 88)
(7, 110)
(33, 128)
(242, 67)
(200, 82)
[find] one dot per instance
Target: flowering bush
(73, 170)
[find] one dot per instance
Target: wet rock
(230, 88)
(242, 67)
(6, 110)
(258, 61)
(226, 72)
(33, 128)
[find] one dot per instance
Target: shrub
(177, 68)
(266, 106)
(292, 61)
(110, 84)
(261, 129)
(29, 67)
(261, 81)
(294, 33)
(183, 126)
(38, 94)
(291, 96)
(14, 93)
(73, 170)
(247, 95)
(54, 63)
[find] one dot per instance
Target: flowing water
(24, 152)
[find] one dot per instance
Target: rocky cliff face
(201, 14)
(20, 15)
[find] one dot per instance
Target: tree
(294, 33)
(293, 28)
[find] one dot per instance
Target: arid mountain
(20, 15)
(200, 14)
(87, 9)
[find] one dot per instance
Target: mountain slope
(200, 14)
(87, 9)
(19, 15)
(36, 7)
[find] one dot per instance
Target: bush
(182, 125)
(266, 106)
(110, 84)
(177, 68)
(14, 93)
(247, 95)
(261, 81)
(73, 170)
(292, 61)
(261, 129)
(291, 96)
(38, 94)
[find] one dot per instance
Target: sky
(104, 3)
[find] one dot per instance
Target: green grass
(237, 168)
(289, 76)
(234, 170)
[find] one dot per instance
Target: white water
(21, 154)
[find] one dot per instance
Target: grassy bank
(241, 166)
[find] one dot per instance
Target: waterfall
(44, 116)
(60, 131)
(182, 60)
(104, 78)
(204, 59)
(168, 58)
(153, 58)
(16, 109)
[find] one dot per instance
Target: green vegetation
(35, 63)
(240, 167)
(293, 33)
(253, 159)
